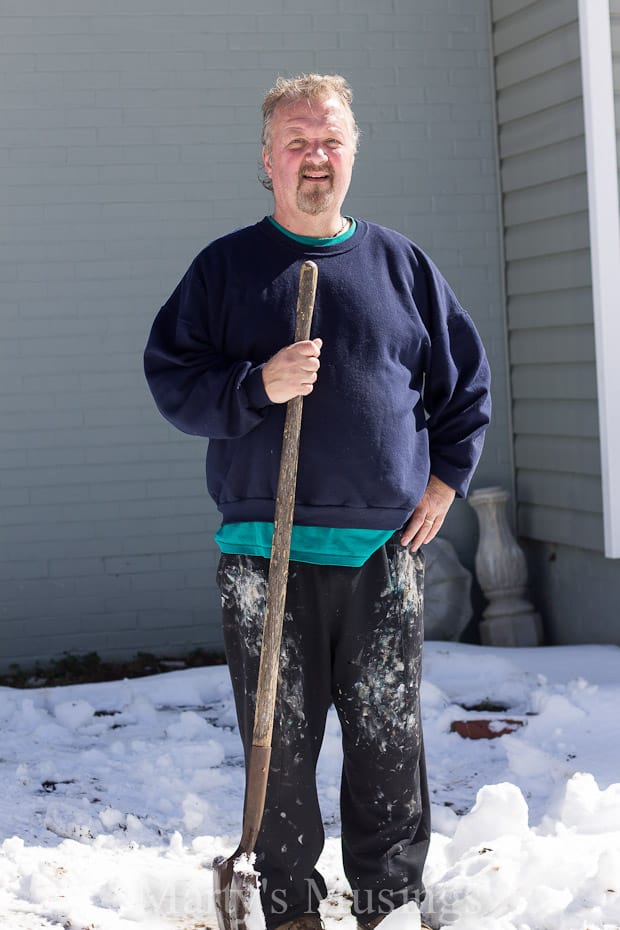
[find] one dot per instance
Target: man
(397, 402)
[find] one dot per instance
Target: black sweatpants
(351, 637)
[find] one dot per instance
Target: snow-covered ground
(115, 797)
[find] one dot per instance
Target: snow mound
(498, 872)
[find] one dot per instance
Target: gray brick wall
(128, 138)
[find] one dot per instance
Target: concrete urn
(509, 618)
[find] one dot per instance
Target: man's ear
(267, 161)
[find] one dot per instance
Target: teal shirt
(319, 545)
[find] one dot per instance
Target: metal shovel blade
(237, 897)
(235, 881)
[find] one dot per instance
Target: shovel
(235, 883)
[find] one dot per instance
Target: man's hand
(427, 519)
(292, 371)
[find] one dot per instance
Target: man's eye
(333, 143)
(295, 143)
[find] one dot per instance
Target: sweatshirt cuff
(255, 389)
(456, 478)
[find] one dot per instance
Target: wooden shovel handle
(283, 526)
(260, 753)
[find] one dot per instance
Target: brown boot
(372, 923)
(305, 922)
(375, 921)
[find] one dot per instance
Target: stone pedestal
(509, 618)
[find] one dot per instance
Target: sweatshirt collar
(317, 240)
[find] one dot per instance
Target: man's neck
(322, 226)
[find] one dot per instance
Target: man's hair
(306, 87)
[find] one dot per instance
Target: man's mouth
(315, 176)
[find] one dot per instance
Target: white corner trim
(604, 218)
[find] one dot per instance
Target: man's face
(310, 157)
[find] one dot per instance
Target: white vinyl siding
(604, 223)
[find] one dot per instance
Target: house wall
(550, 317)
(614, 10)
(128, 139)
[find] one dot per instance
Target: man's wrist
(255, 391)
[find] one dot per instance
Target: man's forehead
(314, 110)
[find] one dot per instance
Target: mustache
(317, 169)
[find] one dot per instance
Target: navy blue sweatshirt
(402, 391)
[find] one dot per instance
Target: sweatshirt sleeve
(197, 389)
(457, 386)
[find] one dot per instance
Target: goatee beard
(314, 202)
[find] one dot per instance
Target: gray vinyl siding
(614, 8)
(129, 137)
(577, 592)
(548, 278)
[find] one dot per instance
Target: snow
(116, 797)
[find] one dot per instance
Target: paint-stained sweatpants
(351, 637)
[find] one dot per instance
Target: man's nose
(315, 152)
